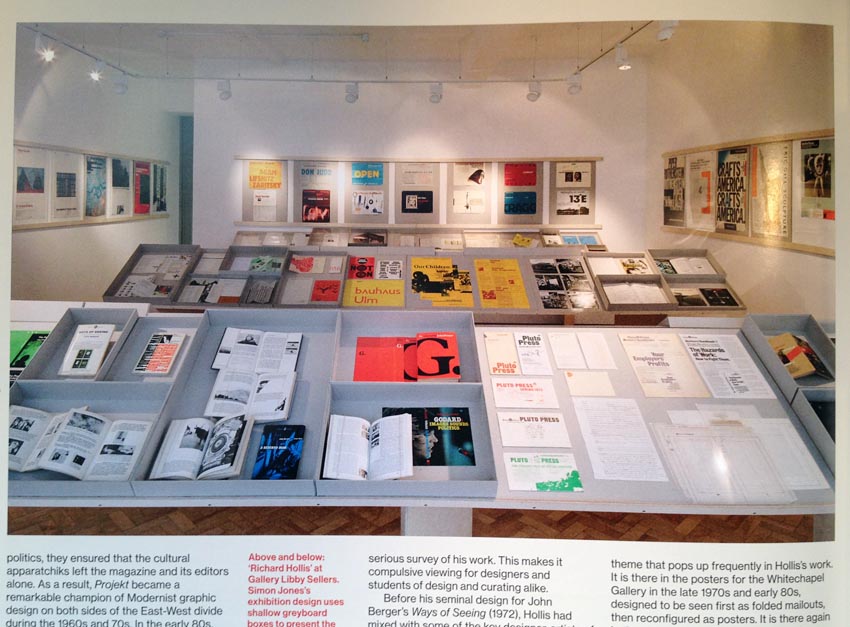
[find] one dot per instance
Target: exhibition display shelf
(691, 417)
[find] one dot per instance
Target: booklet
(359, 450)
(203, 448)
(264, 397)
(78, 443)
(87, 349)
(160, 353)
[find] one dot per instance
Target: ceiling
(455, 53)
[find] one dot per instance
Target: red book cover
(142, 179)
(437, 356)
(379, 359)
(411, 366)
(361, 267)
(325, 290)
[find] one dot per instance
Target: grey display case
(46, 363)
(647, 496)
(190, 254)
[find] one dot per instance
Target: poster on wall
(30, 191)
(316, 205)
(817, 202)
(732, 190)
(520, 203)
(469, 174)
(699, 198)
(367, 203)
(770, 190)
(572, 202)
(417, 174)
(674, 191)
(265, 181)
(417, 201)
(468, 201)
(95, 186)
(520, 175)
(142, 181)
(121, 196)
(364, 174)
(66, 203)
(264, 205)
(316, 174)
(574, 174)
(159, 188)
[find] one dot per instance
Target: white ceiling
(457, 53)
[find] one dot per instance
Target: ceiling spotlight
(96, 72)
(121, 84)
(534, 89)
(436, 93)
(44, 49)
(574, 84)
(666, 29)
(224, 89)
(622, 58)
(352, 93)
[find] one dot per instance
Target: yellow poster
(373, 293)
(500, 284)
(265, 175)
(437, 279)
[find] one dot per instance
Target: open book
(358, 450)
(202, 448)
(249, 350)
(263, 397)
(78, 443)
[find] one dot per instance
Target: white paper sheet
(617, 440)
(662, 365)
(542, 472)
(533, 429)
(524, 392)
(589, 383)
(726, 367)
(567, 352)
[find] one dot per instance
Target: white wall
(715, 83)
(397, 122)
(56, 104)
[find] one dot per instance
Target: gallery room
(656, 147)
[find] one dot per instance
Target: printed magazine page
(555, 461)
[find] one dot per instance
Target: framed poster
(674, 191)
(67, 192)
(572, 197)
(95, 185)
(417, 188)
(701, 175)
(30, 185)
(732, 191)
(142, 187)
(159, 188)
(770, 190)
(813, 197)
(121, 193)
(520, 192)
(315, 184)
(367, 192)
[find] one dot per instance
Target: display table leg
(436, 521)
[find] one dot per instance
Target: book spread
(358, 450)
(250, 350)
(203, 448)
(264, 397)
(78, 443)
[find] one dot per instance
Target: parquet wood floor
(502, 523)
